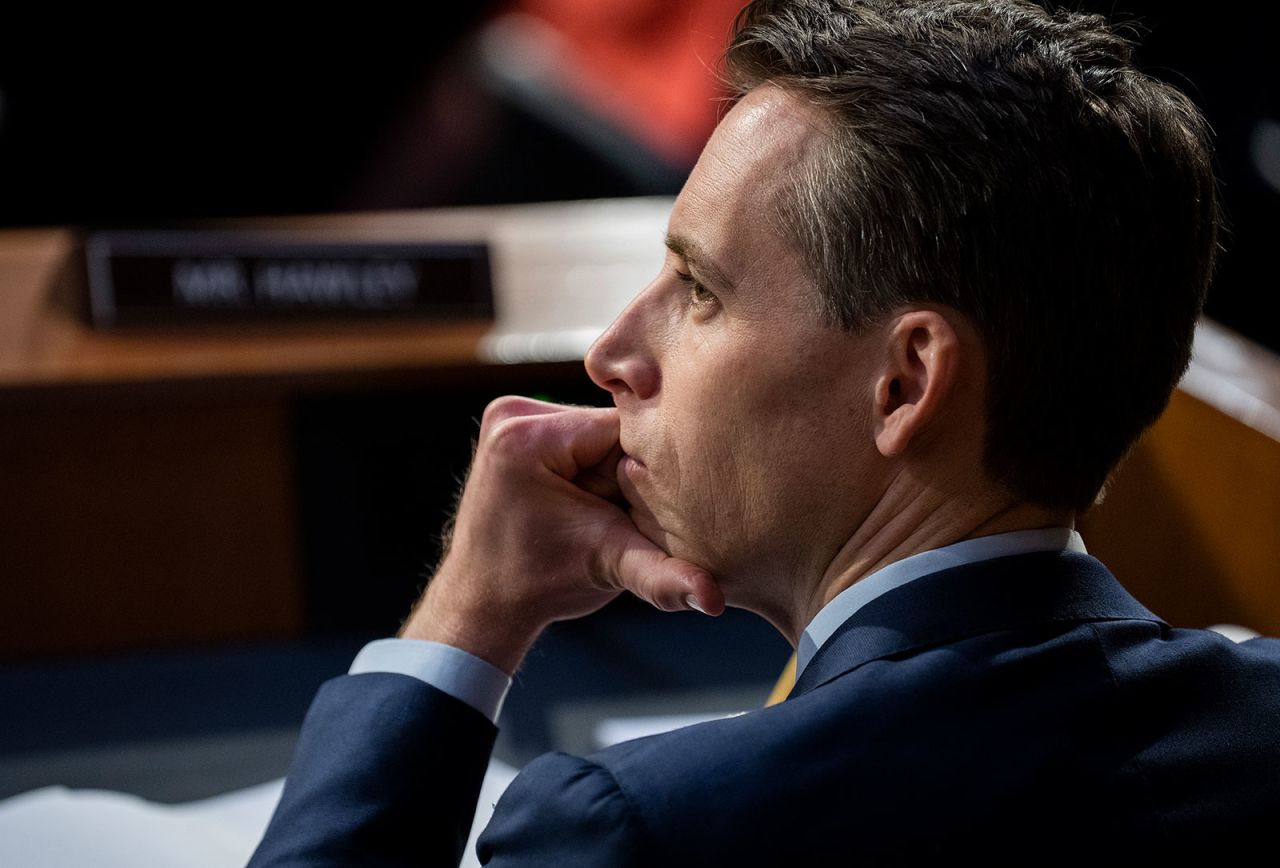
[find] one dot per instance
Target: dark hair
(1012, 163)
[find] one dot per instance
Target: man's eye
(698, 293)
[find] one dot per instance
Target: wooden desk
(1191, 523)
(149, 481)
(560, 271)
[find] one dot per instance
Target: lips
(630, 467)
(628, 455)
(631, 473)
(634, 480)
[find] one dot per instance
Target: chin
(645, 522)
(652, 529)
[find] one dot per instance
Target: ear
(921, 369)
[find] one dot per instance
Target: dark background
(151, 122)
(148, 122)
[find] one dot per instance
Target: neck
(907, 520)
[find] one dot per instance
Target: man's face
(744, 418)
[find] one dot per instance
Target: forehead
(729, 206)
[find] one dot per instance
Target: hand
(541, 535)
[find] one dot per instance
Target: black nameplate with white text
(183, 277)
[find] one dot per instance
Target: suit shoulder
(567, 811)
(1198, 714)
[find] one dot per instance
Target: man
(933, 274)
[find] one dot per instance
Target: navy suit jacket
(1024, 709)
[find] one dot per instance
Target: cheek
(728, 460)
(697, 486)
(752, 446)
(784, 451)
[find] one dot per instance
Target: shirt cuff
(450, 670)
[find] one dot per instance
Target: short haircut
(1012, 163)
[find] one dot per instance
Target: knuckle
(514, 435)
(499, 409)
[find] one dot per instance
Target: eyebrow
(692, 253)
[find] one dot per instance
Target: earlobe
(921, 367)
(894, 418)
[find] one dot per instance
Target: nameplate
(183, 277)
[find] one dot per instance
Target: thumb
(588, 436)
(633, 563)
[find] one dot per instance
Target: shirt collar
(898, 573)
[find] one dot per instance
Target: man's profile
(934, 273)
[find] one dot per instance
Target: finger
(513, 406)
(635, 564)
(602, 479)
(588, 437)
(565, 440)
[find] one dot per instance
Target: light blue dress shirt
(484, 687)
(450, 670)
(898, 573)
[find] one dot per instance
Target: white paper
(56, 827)
(613, 730)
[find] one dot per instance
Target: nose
(622, 359)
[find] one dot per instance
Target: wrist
(448, 614)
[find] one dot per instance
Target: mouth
(630, 469)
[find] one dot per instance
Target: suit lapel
(1001, 594)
